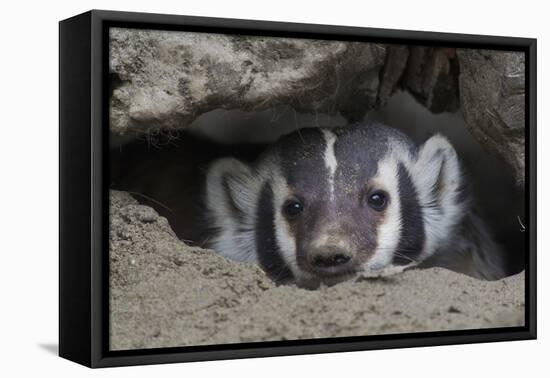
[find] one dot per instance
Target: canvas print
(267, 188)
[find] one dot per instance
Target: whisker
(398, 254)
(151, 199)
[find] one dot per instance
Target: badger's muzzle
(330, 260)
(331, 255)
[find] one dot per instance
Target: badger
(323, 205)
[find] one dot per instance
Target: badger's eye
(292, 208)
(378, 200)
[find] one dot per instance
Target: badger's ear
(437, 173)
(231, 189)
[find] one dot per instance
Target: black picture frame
(83, 196)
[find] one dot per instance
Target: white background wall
(29, 176)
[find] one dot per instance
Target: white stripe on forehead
(330, 159)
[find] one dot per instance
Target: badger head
(321, 205)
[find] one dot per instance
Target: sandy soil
(165, 293)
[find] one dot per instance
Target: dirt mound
(164, 293)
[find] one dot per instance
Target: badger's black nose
(330, 260)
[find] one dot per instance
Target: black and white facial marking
(411, 241)
(323, 204)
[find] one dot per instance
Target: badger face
(323, 204)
